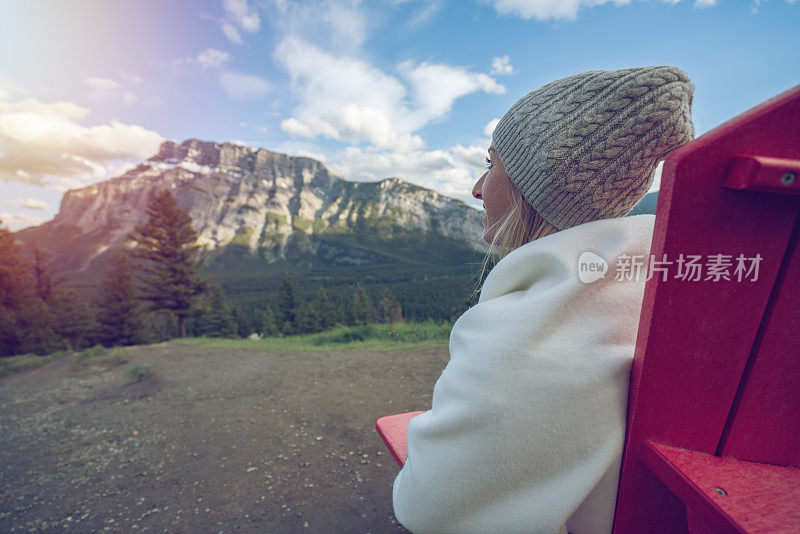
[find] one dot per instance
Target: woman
(526, 428)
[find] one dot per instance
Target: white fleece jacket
(526, 428)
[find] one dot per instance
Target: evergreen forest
(159, 288)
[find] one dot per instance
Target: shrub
(141, 371)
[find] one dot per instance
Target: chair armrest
(728, 495)
(393, 429)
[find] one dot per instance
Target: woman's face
(495, 189)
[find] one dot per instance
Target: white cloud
(451, 172)
(490, 126)
(239, 16)
(106, 88)
(296, 128)
(473, 156)
(132, 78)
(353, 123)
(30, 203)
(243, 86)
(102, 84)
(347, 25)
(61, 184)
(232, 33)
(425, 14)
(129, 98)
(337, 26)
(243, 15)
(4, 95)
(547, 9)
(327, 81)
(43, 142)
(212, 58)
(346, 98)
(342, 95)
(280, 5)
(502, 65)
(437, 87)
(18, 221)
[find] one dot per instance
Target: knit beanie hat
(584, 147)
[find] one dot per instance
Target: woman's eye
(488, 163)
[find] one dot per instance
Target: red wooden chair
(713, 436)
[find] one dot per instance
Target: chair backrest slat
(764, 424)
(697, 339)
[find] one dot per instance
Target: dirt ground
(215, 440)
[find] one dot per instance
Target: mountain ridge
(274, 207)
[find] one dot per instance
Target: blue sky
(375, 89)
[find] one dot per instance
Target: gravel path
(215, 440)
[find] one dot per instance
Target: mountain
(260, 214)
(254, 208)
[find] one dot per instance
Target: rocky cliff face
(273, 206)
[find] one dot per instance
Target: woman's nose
(476, 189)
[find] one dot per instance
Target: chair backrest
(717, 361)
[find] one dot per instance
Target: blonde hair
(522, 224)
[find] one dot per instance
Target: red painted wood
(393, 429)
(758, 173)
(695, 338)
(765, 422)
(696, 525)
(729, 496)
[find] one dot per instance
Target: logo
(686, 268)
(591, 267)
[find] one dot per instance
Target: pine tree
(325, 310)
(46, 282)
(41, 271)
(12, 270)
(170, 271)
(361, 307)
(242, 323)
(35, 330)
(216, 319)
(308, 319)
(388, 311)
(266, 320)
(318, 315)
(15, 294)
(119, 311)
(73, 318)
(288, 305)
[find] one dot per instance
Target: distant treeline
(155, 291)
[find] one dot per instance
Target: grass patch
(140, 371)
(89, 373)
(101, 355)
(243, 237)
(301, 224)
(368, 337)
(394, 333)
(28, 361)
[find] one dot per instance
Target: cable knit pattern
(584, 148)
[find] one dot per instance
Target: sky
(375, 89)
